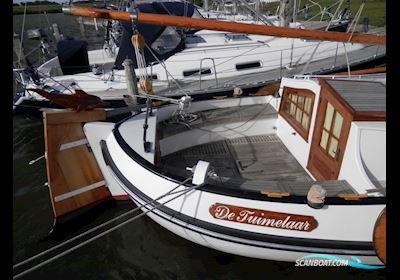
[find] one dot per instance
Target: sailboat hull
(342, 229)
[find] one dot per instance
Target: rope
(106, 231)
(355, 21)
(334, 15)
(347, 59)
(22, 36)
(166, 70)
(309, 60)
(47, 19)
(49, 77)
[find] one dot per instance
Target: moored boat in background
(191, 62)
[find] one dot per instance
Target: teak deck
(260, 163)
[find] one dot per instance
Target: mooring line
(100, 226)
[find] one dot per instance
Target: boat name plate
(263, 218)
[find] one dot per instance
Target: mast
(205, 5)
(286, 12)
(196, 23)
(234, 7)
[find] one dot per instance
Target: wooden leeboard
(380, 236)
(71, 169)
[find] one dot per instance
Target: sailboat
(296, 174)
(274, 177)
(192, 62)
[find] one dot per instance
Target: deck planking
(257, 163)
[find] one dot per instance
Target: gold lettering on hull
(263, 218)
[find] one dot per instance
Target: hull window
(152, 77)
(249, 65)
(196, 72)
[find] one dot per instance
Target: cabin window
(237, 37)
(248, 65)
(167, 41)
(205, 71)
(296, 109)
(331, 130)
(196, 14)
(194, 39)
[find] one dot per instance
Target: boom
(196, 23)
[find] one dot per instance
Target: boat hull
(189, 218)
(341, 228)
(242, 247)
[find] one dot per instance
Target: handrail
(201, 70)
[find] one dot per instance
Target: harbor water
(139, 250)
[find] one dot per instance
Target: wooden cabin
(336, 128)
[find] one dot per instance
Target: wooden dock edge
(74, 178)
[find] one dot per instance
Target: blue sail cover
(164, 41)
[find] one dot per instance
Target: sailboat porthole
(248, 65)
(205, 71)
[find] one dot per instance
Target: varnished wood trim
(303, 92)
(261, 217)
(356, 116)
(220, 97)
(200, 23)
(379, 236)
(327, 87)
(275, 194)
(65, 117)
(270, 89)
(370, 116)
(352, 196)
(316, 152)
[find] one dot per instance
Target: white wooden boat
(256, 160)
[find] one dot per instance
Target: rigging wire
(355, 21)
(152, 202)
(22, 36)
(166, 70)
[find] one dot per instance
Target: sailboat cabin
(336, 128)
